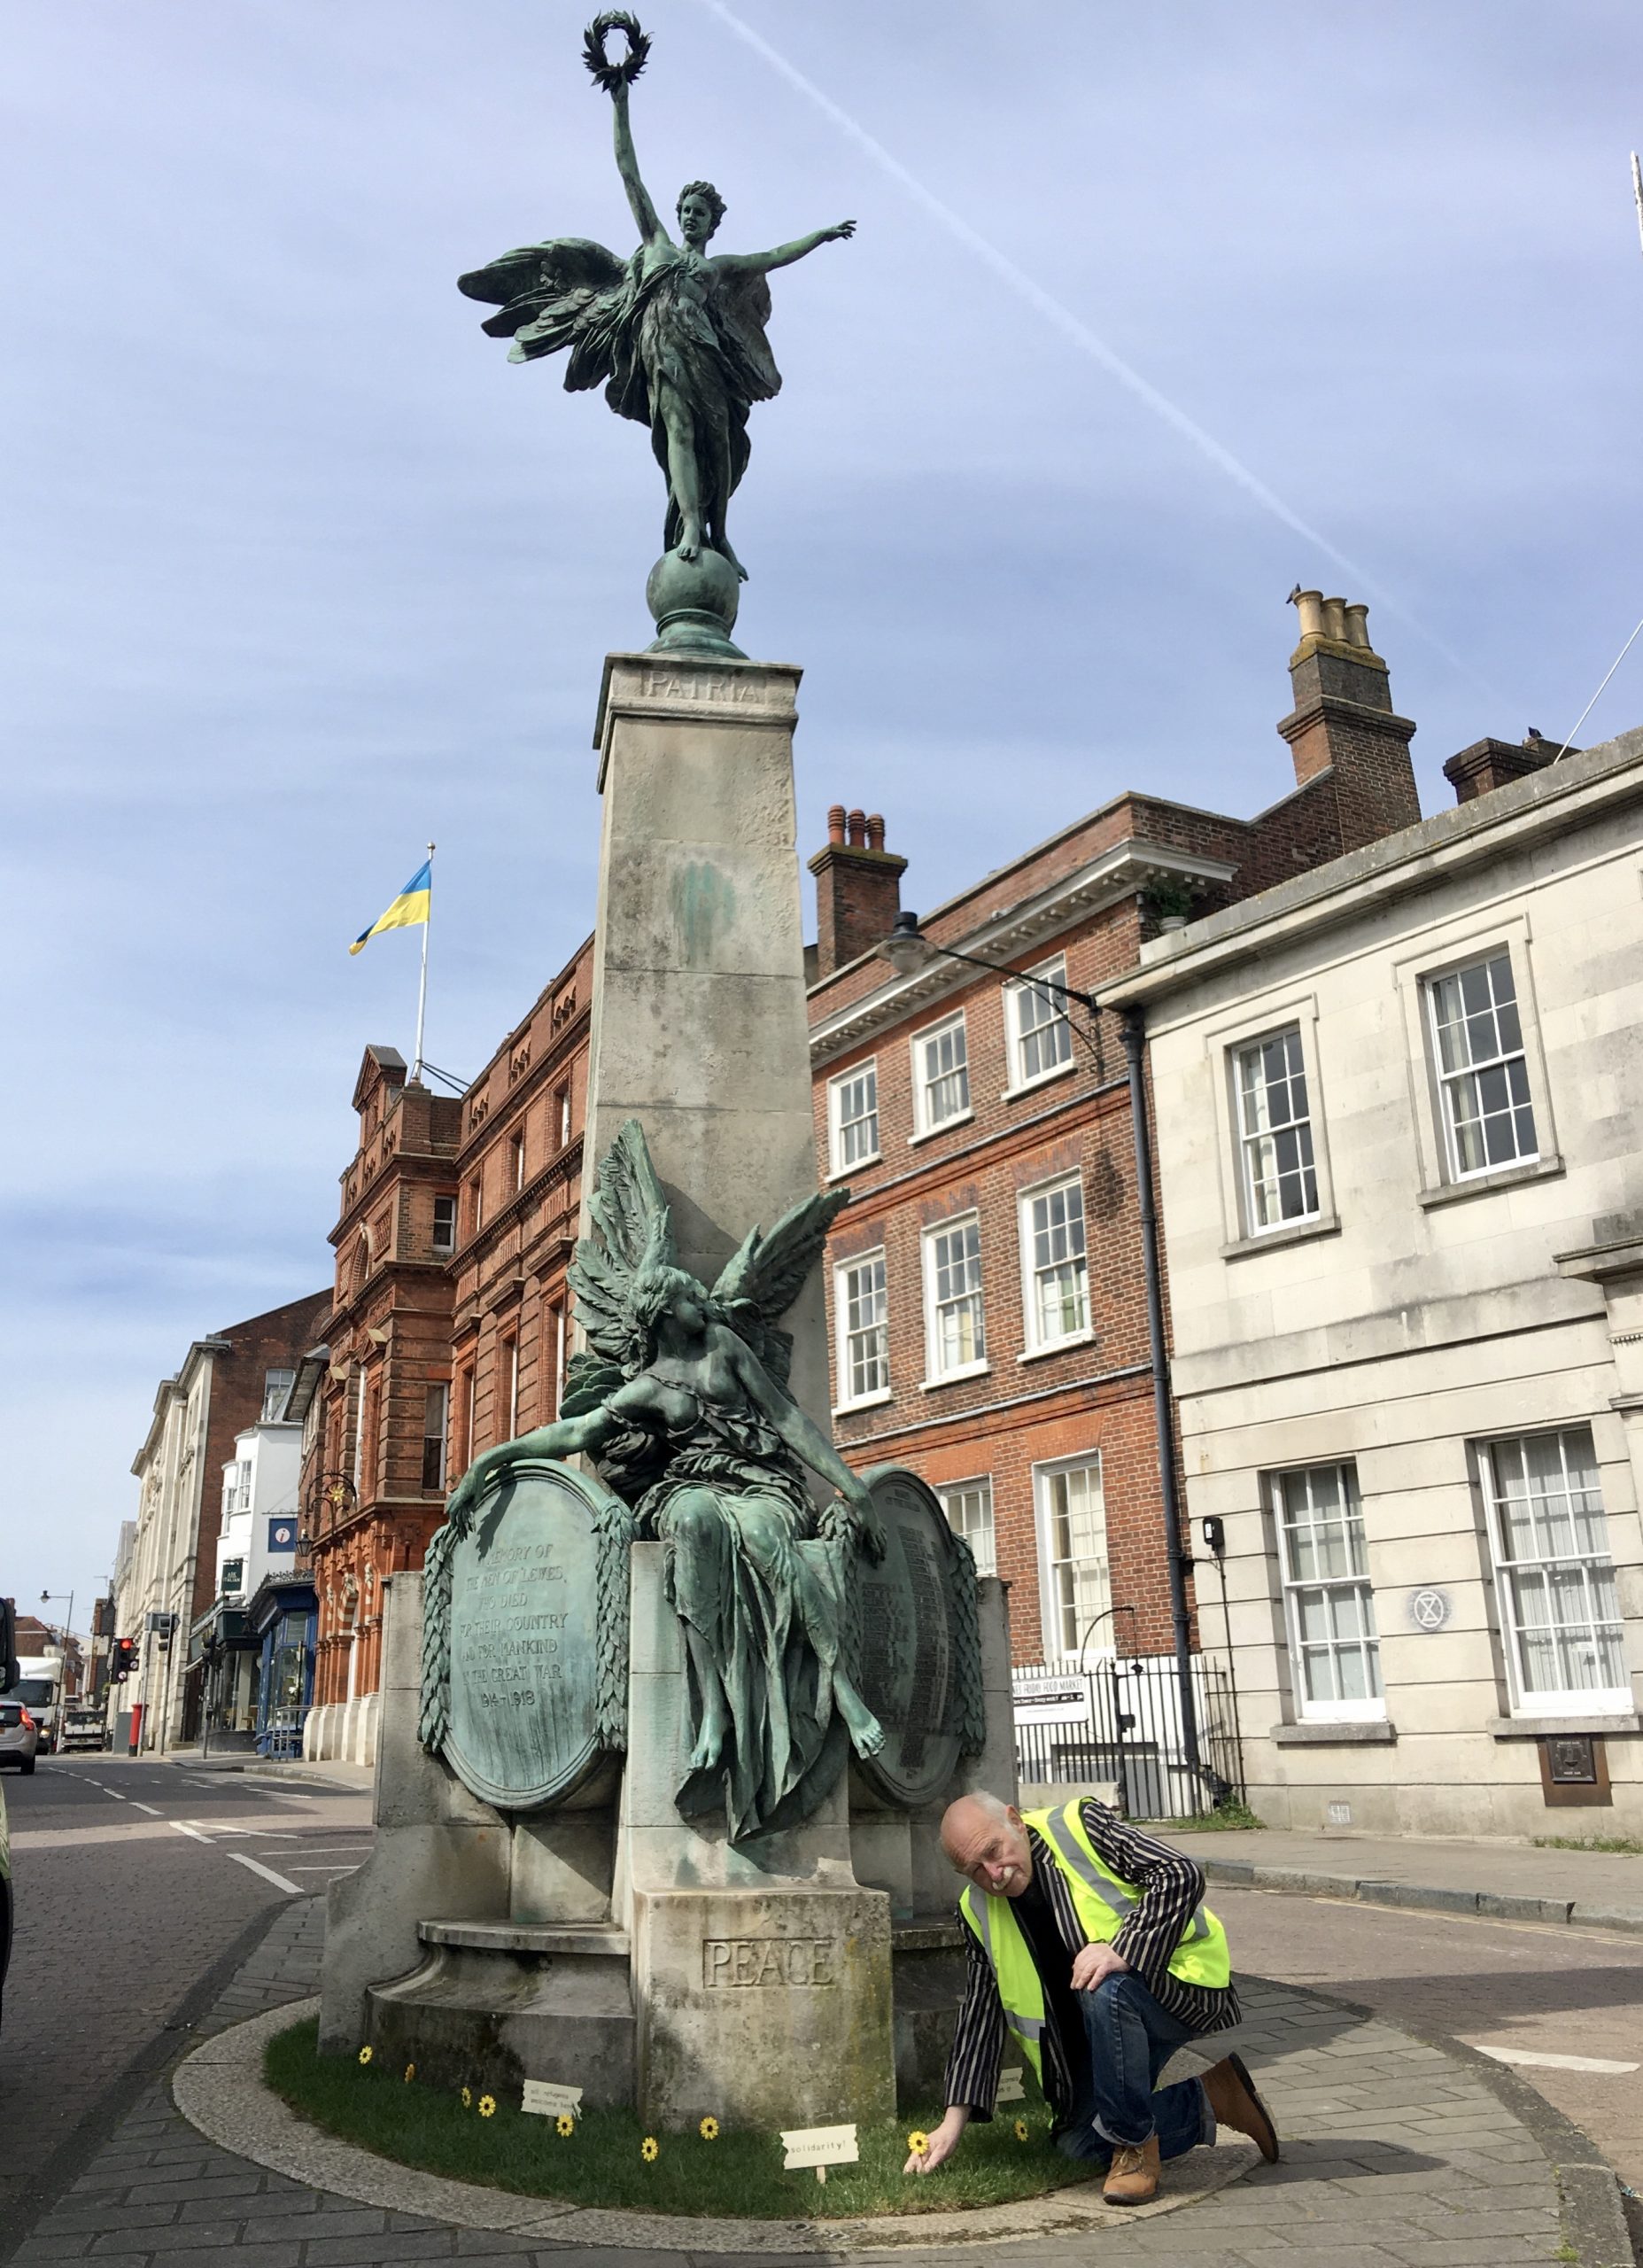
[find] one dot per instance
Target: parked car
(83, 1729)
(5, 1894)
(39, 1687)
(20, 1735)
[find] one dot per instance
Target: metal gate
(1117, 1722)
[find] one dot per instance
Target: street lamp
(46, 1598)
(908, 950)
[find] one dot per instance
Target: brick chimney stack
(1491, 764)
(859, 889)
(1344, 724)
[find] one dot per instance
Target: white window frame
(1448, 1081)
(1052, 1602)
(510, 1398)
(1368, 1708)
(1223, 1044)
(926, 1121)
(443, 1247)
(836, 1085)
(436, 1402)
(1254, 1139)
(1455, 947)
(276, 1395)
(1021, 987)
(517, 1159)
(981, 1534)
(1035, 1342)
(936, 1371)
(844, 1333)
(1549, 1701)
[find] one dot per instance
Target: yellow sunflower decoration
(708, 2129)
(410, 2073)
(650, 2149)
(1020, 2129)
(365, 2054)
(917, 2141)
(564, 2125)
(488, 2105)
(467, 2098)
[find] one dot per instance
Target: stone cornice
(1121, 871)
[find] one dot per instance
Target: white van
(40, 1688)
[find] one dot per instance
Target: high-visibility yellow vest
(1103, 1902)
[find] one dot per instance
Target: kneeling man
(1089, 1946)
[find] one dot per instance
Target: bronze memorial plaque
(907, 1650)
(523, 1654)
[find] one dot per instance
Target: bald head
(985, 1841)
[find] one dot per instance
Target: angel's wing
(764, 1277)
(558, 294)
(632, 1231)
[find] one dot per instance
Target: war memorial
(673, 1710)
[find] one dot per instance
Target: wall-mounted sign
(1430, 1609)
(233, 1578)
(283, 1534)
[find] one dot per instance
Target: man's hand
(1092, 1965)
(943, 2142)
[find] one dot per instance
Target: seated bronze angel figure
(675, 334)
(681, 1400)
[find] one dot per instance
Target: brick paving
(1396, 2151)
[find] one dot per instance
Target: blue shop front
(283, 1618)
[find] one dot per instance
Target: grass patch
(739, 2173)
(1627, 1845)
(1229, 1815)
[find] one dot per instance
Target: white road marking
(183, 1828)
(279, 1881)
(1542, 2063)
(152, 1809)
(353, 1870)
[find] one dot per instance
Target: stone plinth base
(765, 2007)
(496, 2003)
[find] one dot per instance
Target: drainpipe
(1135, 1050)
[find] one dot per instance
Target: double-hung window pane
(864, 1328)
(969, 1509)
(275, 1385)
(1052, 1228)
(1554, 1572)
(436, 1412)
(1274, 1133)
(1044, 1038)
(1489, 1120)
(856, 1117)
(1334, 1650)
(1072, 1518)
(952, 1260)
(942, 1071)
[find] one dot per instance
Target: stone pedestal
(699, 1026)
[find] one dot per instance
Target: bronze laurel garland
(436, 1718)
(969, 1688)
(611, 75)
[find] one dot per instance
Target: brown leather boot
(1233, 2099)
(1132, 2176)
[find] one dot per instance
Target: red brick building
(986, 1294)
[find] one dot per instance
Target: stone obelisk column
(761, 1972)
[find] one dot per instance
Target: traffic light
(122, 1659)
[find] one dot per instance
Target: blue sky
(300, 572)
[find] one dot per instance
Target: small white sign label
(1010, 2087)
(548, 2099)
(819, 2146)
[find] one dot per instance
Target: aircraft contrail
(1090, 342)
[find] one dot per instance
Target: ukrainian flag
(410, 909)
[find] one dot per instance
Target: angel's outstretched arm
(760, 263)
(627, 165)
(566, 1437)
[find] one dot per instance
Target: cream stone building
(1399, 1126)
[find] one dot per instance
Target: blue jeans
(1120, 2102)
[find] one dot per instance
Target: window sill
(1323, 1224)
(1057, 1345)
(955, 1378)
(1617, 1720)
(1045, 1079)
(929, 1133)
(1484, 1184)
(867, 1402)
(1342, 1732)
(843, 1173)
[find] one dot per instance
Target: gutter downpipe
(1134, 1027)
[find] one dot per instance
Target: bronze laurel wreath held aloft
(608, 75)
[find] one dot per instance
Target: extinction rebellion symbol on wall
(1430, 1609)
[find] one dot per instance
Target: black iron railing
(1117, 1723)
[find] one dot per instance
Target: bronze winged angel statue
(675, 334)
(681, 1399)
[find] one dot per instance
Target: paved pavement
(1396, 2152)
(134, 1906)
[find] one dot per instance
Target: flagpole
(422, 990)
